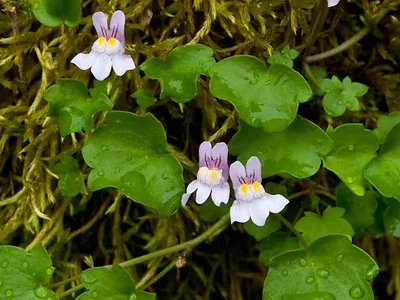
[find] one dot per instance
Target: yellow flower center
(102, 40)
(244, 188)
(112, 42)
(256, 186)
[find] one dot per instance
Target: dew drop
(351, 147)
(285, 273)
(371, 273)
(49, 271)
(100, 173)
(128, 157)
(350, 180)
(340, 102)
(303, 262)
(95, 294)
(25, 264)
(322, 273)
(9, 293)
(132, 297)
(104, 148)
(41, 291)
(310, 279)
(356, 292)
(117, 170)
(1, 282)
(4, 264)
(346, 282)
(312, 263)
(339, 257)
(33, 274)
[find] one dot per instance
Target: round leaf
(331, 269)
(276, 244)
(296, 150)
(23, 275)
(128, 152)
(383, 171)
(264, 98)
(179, 72)
(54, 13)
(353, 147)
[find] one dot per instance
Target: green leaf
(284, 57)
(391, 218)
(386, 123)
(360, 210)
(276, 244)
(314, 227)
(296, 151)
(71, 180)
(271, 225)
(211, 213)
(144, 98)
(23, 275)
(128, 152)
(340, 96)
(111, 284)
(179, 72)
(71, 105)
(319, 73)
(54, 13)
(383, 171)
(332, 269)
(274, 188)
(353, 147)
(264, 98)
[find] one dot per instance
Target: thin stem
(291, 228)
(71, 291)
(65, 281)
(298, 194)
(326, 194)
(158, 276)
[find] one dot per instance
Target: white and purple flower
(332, 3)
(251, 199)
(212, 175)
(108, 50)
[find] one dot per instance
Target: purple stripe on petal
(100, 23)
(117, 26)
(219, 155)
(205, 154)
(253, 169)
(237, 173)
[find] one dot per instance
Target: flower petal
(204, 154)
(240, 211)
(203, 192)
(84, 61)
(189, 190)
(220, 194)
(100, 23)
(122, 63)
(102, 67)
(236, 172)
(332, 2)
(276, 203)
(259, 211)
(220, 153)
(117, 26)
(253, 169)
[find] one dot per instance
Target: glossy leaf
(70, 177)
(360, 210)
(264, 98)
(391, 218)
(314, 227)
(179, 72)
(144, 98)
(296, 151)
(383, 171)
(211, 213)
(319, 73)
(271, 225)
(73, 107)
(111, 284)
(341, 95)
(277, 243)
(23, 275)
(353, 147)
(386, 123)
(128, 152)
(54, 13)
(284, 56)
(331, 269)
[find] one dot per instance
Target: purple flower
(251, 199)
(332, 2)
(108, 50)
(212, 176)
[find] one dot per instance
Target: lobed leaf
(275, 244)
(54, 13)
(385, 124)
(70, 178)
(144, 98)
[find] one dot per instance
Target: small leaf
(383, 171)
(264, 98)
(179, 72)
(144, 98)
(391, 218)
(71, 105)
(359, 209)
(128, 152)
(211, 213)
(271, 225)
(386, 123)
(314, 227)
(276, 244)
(353, 147)
(71, 179)
(332, 269)
(296, 151)
(111, 284)
(274, 188)
(319, 73)
(284, 56)
(23, 275)
(54, 13)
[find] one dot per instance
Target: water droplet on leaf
(371, 273)
(95, 294)
(340, 102)
(322, 273)
(310, 279)
(285, 273)
(100, 173)
(25, 264)
(9, 293)
(4, 264)
(117, 169)
(132, 297)
(33, 274)
(350, 180)
(303, 262)
(339, 257)
(49, 271)
(128, 157)
(356, 292)
(104, 148)
(41, 291)
(351, 147)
